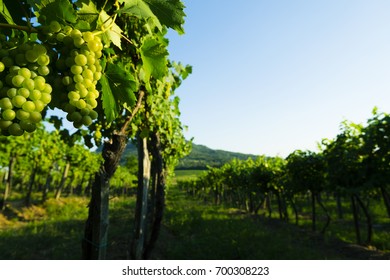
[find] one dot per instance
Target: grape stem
(141, 94)
(18, 27)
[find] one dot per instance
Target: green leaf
(112, 30)
(122, 84)
(140, 9)
(108, 100)
(88, 11)
(5, 13)
(118, 87)
(170, 13)
(59, 10)
(154, 57)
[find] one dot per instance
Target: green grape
(23, 92)
(75, 116)
(31, 56)
(93, 114)
(35, 117)
(88, 36)
(27, 126)
(12, 92)
(69, 108)
(39, 105)
(86, 120)
(76, 69)
(39, 83)
(29, 84)
(81, 104)
(28, 106)
(43, 60)
(46, 97)
(18, 80)
(84, 111)
(66, 80)
(55, 26)
(2, 66)
(18, 101)
(88, 74)
(39, 49)
(4, 124)
(47, 89)
(43, 70)
(78, 79)
(8, 114)
(24, 72)
(80, 60)
(78, 124)
(73, 95)
(15, 129)
(22, 115)
(5, 103)
(35, 95)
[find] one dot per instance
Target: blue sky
(270, 77)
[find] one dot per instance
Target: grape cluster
(79, 70)
(24, 92)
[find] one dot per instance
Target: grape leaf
(139, 9)
(59, 10)
(122, 83)
(112, 30)
(5, 13)
(118, 86)
(170, 13)
(88, 11)
(154, 57)
(108, 100)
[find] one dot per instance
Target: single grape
(22, 115)
(18, 101)
(8, 114)
(28, 106)
(35, 95)
(29, 84)
(86, 120)
(81, 104)
(35, 117)
(55, 26)
(80, 60)
(39, 105)
(76, 69)
(43, 60)
(31, 56)
(43, 70)
(6, 103)
(17, 80)
(93, 114)
(27, 126)
(39, 83)
(24, 92)
(75, 117)
(4, 124)
(2, 66)
(12, 92)
(39, 49)
(15, 129)
(47, 89)
(46, 98)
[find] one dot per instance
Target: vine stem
(18, 27)
(130, 118)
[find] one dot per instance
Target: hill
(199, 158)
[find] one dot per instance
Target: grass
(191, 229)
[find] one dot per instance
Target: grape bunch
(79, 70)
(24, 92)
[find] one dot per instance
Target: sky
(271, 77)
